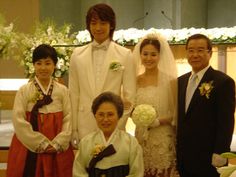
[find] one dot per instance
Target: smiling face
(107, 118)
(44, 68)
(149, 56)
(100, 29)
(198, 54)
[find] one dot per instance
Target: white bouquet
(144, 115)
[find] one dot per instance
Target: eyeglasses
(198, 51)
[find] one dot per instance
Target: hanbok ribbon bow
(34, 113)
(109, 150)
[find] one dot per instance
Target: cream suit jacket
(82, 83)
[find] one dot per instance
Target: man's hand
(218, 161)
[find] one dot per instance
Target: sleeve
(33, 140)
(74, 89)
(61, 141)
(225, 101)
(129, 86)
(136, 166)
(79, 166)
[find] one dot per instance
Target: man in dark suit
(206, 105)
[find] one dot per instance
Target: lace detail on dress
(159, 146)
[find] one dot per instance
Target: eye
(110, 114)
(154, 54)
(38, 63)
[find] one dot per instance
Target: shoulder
(89, 137)
(140, 80)
(126, 137)
(79, 50)
(220, 77)
(184, 76)
(26, 86)
(58, 85)
(121, 49)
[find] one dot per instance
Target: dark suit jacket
(208, 124)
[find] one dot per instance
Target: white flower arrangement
(132, 35)
(59, 38)
(205, 89)
(116, 66)
(8, 41)
(144, 115)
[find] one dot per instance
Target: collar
(104, 45)
(200, 73)
(42, 88)
(109, 141)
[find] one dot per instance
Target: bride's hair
(151, 41)
(167, 70)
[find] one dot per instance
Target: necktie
(192, 85)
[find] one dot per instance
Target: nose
(106, 117)
(98, 26)
(43, 66)
(149, 57)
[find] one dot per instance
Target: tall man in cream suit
(100, 66)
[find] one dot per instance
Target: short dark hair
(151, 41)
(44, 51)
(200, 36)
(110, 98)
(103, 12)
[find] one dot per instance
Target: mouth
(105, 125)
(148, 64)
(43, 73)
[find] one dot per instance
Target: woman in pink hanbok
(42, 121)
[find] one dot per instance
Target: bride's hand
(154, 124)
(165, 120)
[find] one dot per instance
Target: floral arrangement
(205, 89)
(132, 35)
(227, 171)
(116, 66)
(59, 38)
(143, 115)
(97, 149)
(8, 41)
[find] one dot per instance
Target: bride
(156, 86)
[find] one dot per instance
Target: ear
(210, 53)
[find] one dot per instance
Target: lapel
(182, 89)
(89, 68)
(196, 95)
(106, 65)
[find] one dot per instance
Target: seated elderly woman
(109, 151)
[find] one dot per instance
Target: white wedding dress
(158, 143)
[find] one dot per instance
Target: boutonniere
(205, 89)
(97, 149)
(116, 66)
(37, 96)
